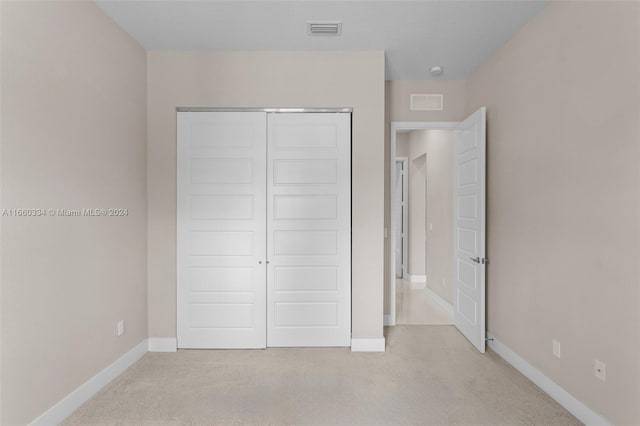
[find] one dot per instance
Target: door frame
(403, 126)
(267, 110)
(405, 212)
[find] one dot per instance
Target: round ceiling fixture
(436, 70)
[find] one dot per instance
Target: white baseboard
(417, 282)
(388, 320)
(561, 396)
(440, 301)
(75, 399)
(367, 345)
(417, 278)
(163, 344)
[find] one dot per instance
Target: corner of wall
(1, 207)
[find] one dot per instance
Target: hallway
(418, 306)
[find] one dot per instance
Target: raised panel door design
(305, 207)
(221, 230)
(306, 135)
(221, 279)
(263, 230)
(305, 243)
(229, 134)
(305, 314)
(304, 171)
(309, 230)
(221, 243)
(467, 240)
(469, 228)
(466, 273)
(467, 207)
(305, 278)
(221, 315)
(221, 170)
(467, 172)
(222, 207)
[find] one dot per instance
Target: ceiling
(458, 35)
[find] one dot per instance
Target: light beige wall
(402, 145)
(397, 95)
(439, 212)
(563, 198)
(416, 244)
(73, 136)
(273, 79)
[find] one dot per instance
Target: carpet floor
(428, 375)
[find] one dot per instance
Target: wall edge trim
(551, 388)
(367, 345)
(163, 344)
(67, 405)
(388, 320)
(440, 301)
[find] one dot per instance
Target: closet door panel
(309, 229)
(221, 230)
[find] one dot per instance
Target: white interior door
(469, 228)
(221, 230)
(309, 229)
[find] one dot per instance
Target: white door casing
(309, 229)
(469, 227)
(398, 219)
(221, 230)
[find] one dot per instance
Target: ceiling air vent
(425, 102)
(329, 28)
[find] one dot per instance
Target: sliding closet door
(221, 261)
(309, 229)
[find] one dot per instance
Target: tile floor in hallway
(417, 306)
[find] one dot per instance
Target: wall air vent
(425, 102)
(327, 28)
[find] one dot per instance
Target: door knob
(475, 259)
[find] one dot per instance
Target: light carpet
(428, 375)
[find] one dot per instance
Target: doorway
(424, 291)
(450, 237)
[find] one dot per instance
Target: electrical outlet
(556, 349)
(431, 227)
(120, 327)
(600, 370)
